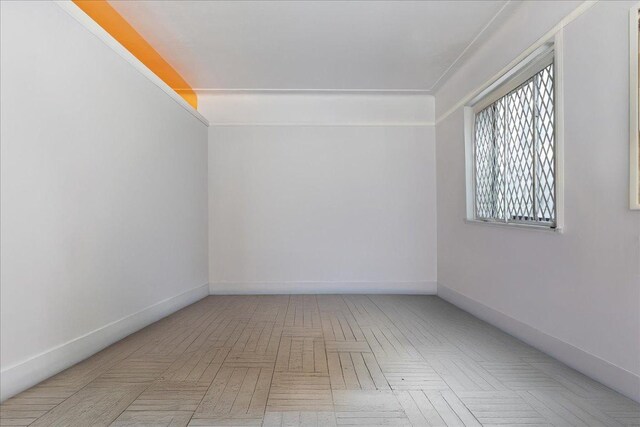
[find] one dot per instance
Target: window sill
(530, 227)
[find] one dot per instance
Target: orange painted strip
(109, 19)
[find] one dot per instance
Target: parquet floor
(326, 360)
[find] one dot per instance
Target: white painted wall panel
(326, 207)
(582, 286)
(319, 109)
(104, 195)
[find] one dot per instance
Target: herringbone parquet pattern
(323, 360)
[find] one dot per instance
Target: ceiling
(313, 45)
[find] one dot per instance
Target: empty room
(319, 213)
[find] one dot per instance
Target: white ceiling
(313, 45)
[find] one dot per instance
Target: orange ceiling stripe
(109, 19)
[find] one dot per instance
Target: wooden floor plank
(130, 418)
(95, 406)
(326, 360)
(300, 391)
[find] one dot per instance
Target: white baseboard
(30, 372)
(612, 376)
(266, 288)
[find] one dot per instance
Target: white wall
(321, 193)
(103, 194)
(576, 294)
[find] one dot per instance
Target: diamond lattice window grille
(515, 154)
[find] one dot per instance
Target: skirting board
(21, 376)
(612, 376)
(270, 288)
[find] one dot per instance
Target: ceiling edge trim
(324, 124)
(578, 11)
(118, 27)
(451, 68)
(206, 91)
(83, 19)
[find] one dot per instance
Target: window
(514, 150)
(634, 119)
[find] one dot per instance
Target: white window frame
(634, 94)
(497, 88)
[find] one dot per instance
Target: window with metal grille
(514, 154)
